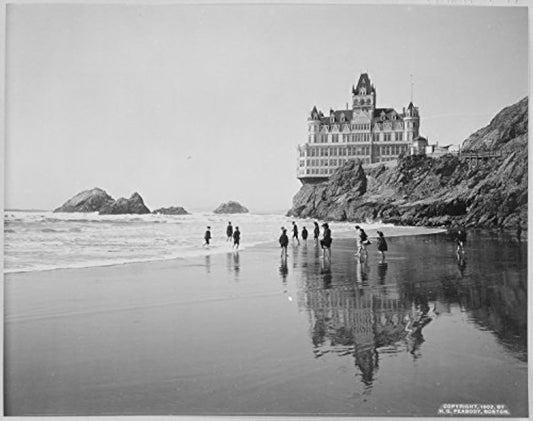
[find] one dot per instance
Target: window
(335, 138)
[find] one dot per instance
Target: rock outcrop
(427, 191)
(173, 210)
(133, 205)
(87, 201)
(231, 207)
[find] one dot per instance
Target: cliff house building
(366, 132)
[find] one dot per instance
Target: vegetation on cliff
(422, 190)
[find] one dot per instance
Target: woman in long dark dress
(283, 242)
(304, 234)
(382, 245)
(325, 243)
(316, 232)
(236, 238)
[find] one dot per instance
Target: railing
(480, 154)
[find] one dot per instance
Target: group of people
(325, 242)
(231, 234)
(363, 241)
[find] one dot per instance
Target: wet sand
(245, 334)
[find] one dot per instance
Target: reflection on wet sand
(233, 264)
(208, 263)
(353, 313)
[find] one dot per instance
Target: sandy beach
(244, 334)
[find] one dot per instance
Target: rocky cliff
(434, 191)
(231, 207)
(87, 201)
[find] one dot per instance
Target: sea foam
(38, 241)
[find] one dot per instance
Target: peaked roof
(364, 80)
(337, 114)
(389, 112)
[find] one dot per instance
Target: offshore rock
(420, 190)
(87, 201)
(133, 205)
(231, 207)
(173, 210)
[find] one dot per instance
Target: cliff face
(427, 191)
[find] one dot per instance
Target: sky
(195, 105)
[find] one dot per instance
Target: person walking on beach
(362, 241)
(207, 236)
(316, 232)
(229, 232)
(236, 238)
(382, 245)
(283, 242)
(326, 241)
(461, 240)
(295, 232)
(304, 235)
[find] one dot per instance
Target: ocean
(37, 240)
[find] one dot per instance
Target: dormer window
(362, 90)
(332, 119)
(342, 118)
(382, 116)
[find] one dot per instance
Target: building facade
(363, 131)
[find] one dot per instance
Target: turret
(364, 94)
(411, 121)
(313, 125)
